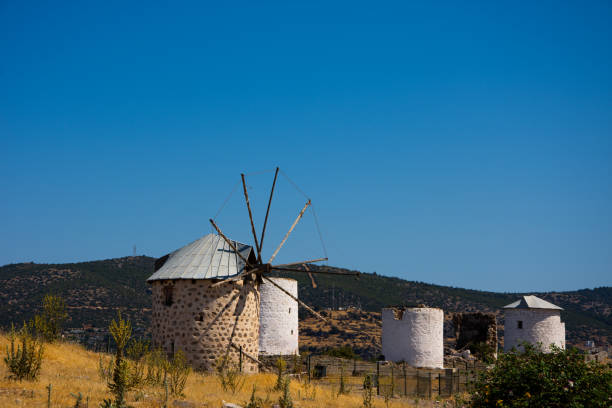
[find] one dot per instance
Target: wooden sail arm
(230, 243)
(289, 232)
(311, 310)
(248, 203)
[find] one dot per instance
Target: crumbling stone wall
(474, 328)
(203, 321)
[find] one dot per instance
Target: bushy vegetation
(254, 402)
(121, 381)
(344, 351)
(135, 365)
(24, 360)
(367, 392)
(280, 365)
(531, 378)
(228, 375)
(48, 324)
(285, 400)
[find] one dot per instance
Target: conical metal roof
(209, 257)
(532, 302)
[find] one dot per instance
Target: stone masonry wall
(474, 328)
(202, 321)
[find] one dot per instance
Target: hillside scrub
(23, 360)
(531, 378)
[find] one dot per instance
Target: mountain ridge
(94, 290)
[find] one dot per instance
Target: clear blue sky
(465, 144)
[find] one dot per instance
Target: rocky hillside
(94, 290)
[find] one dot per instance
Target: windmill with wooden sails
(206, 299)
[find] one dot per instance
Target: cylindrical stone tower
(414, 335)
(198, 310)
(535, 321)
(278, 319)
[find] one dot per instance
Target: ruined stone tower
(414, 335)
(198, 309)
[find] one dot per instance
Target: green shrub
(25, 361)
(229, 375)
(345, 351)
(157, 366)
(121, 382)
(48, 324)
(531, 378)
(285, 400)
(367, 392)
(136, 352)
(178, 371)
(484, 352)
(254, 402)
(281, 365)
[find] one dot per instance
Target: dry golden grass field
(72, 369)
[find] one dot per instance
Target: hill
(94, 290)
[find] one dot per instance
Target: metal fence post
(308, 366)
(417, 382)
(240, 359)
(429, 388)
(377, 377)
(405, 381)
(439, 384)
(392, 381)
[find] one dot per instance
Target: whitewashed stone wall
(278, 322)
(202, 321)
(539, 326)
(414, 335)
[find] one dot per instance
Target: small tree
(24, 361)
(178, 372)
(285, 400)
(254, 402)
(281, 364)
(367, 392)
(48, 324)
(532, 378)
(121, 330)
(229, 375)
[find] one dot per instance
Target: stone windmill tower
(414, 335)
(278, 319)
(535, 321)
(206, 296)
(192, 312)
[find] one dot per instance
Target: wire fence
(392, 379)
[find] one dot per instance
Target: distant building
(535, 321)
